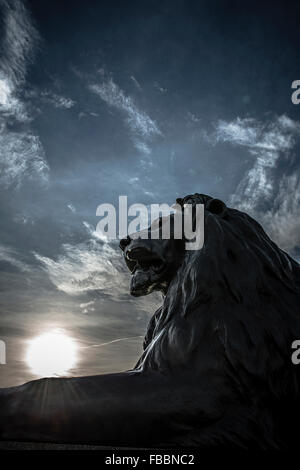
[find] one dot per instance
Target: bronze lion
(216, 370)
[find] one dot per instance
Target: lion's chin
(143, 282)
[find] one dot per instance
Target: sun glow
(51, 354)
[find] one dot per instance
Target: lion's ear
(216, 206)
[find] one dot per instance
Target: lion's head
(152, 261)
(238, 261)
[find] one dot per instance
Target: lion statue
(216, 370)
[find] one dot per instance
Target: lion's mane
(232, 311)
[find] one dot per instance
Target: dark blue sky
(151, 99)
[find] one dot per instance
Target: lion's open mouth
(150, 269)
(140, 258)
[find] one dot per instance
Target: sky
(149, 99)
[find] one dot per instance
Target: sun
(51, 354)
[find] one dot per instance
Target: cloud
(160, 88)
(269, 194)
(56, 100)
(113, 341)
(283, 220)
(97, 271)
(267, 142)
(135, 81)
(19, 41)
(143, 128)
(88, 306)
(11, 256)
(87, 266)
(72, 208)
(21, 153)
(10, 105)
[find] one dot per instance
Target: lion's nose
(124, 242)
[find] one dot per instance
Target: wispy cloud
(283, 219)
(88, 266)
(143, 128)
(72, 208)
(136, 82)
(58, 101)
(160, 88)
(270, 194)
(21, 153)
(10, 255)
(267, 142)
(19, 41)
(87, 306)
(112, 341)
(95, 269)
